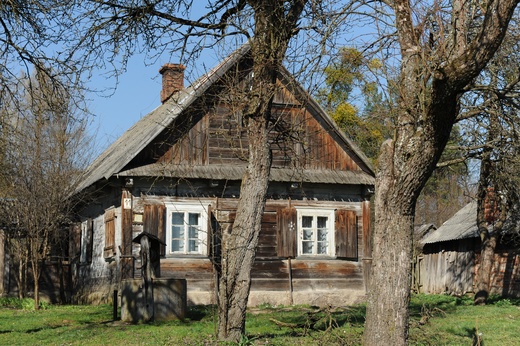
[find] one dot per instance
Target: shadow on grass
(200, 312)
(296, 321)
(32, 330)
(434, 305)
(475, 336)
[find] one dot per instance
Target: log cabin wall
(505, 273)
(187, 158)
(277, 279)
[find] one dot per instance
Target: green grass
(434, 320)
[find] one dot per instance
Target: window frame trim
(331, 234)
(203, 228)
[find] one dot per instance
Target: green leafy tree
(348, 87)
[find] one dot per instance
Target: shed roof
(118, 155)
(462, 225)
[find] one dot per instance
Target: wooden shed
(450, 259)
(176, 174)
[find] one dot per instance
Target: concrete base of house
(169, 300)
(332, 298)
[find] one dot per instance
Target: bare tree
(30, 35)
(494, 137)
(441, 50)
(117, 29)
(47, 149)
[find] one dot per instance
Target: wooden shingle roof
(143, 132)
(236, 172)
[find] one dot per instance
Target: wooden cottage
(176, 174)
(450, 259)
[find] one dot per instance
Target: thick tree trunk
(427, 110)
(389, 288)
(486, 264)
(275, 24)
(488, 240)
(387, 313)
(239, 245)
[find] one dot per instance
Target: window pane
(322, 235)
(307, 234)
(322, 248)
(185, 232)
(177, 231)
(193, 245)
(307, 247)
(177, 218)
(177, 245)
(322, 221)
(306, 221)
(193, 218)
(194, 232)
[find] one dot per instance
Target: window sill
(194, 256)
(315, 257)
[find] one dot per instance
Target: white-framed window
(315, 232)
(186, 229)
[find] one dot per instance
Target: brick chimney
(172, 80)
(491, 210)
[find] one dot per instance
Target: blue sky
(136, 94)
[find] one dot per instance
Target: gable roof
(114, 159)
(236, 172)
(462, 225)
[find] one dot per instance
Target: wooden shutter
(154, 222)
(346, 234)
(110, 233)
(75, 241)
(286, 233)
(90, 239)
(211, 232)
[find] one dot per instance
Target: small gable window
(186, 230)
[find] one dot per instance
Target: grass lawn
(435, 320)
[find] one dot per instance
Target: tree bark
(274, 26)
(427, 109)
(239, 246)
(492, 212)
(36, 277)
(488, 240)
